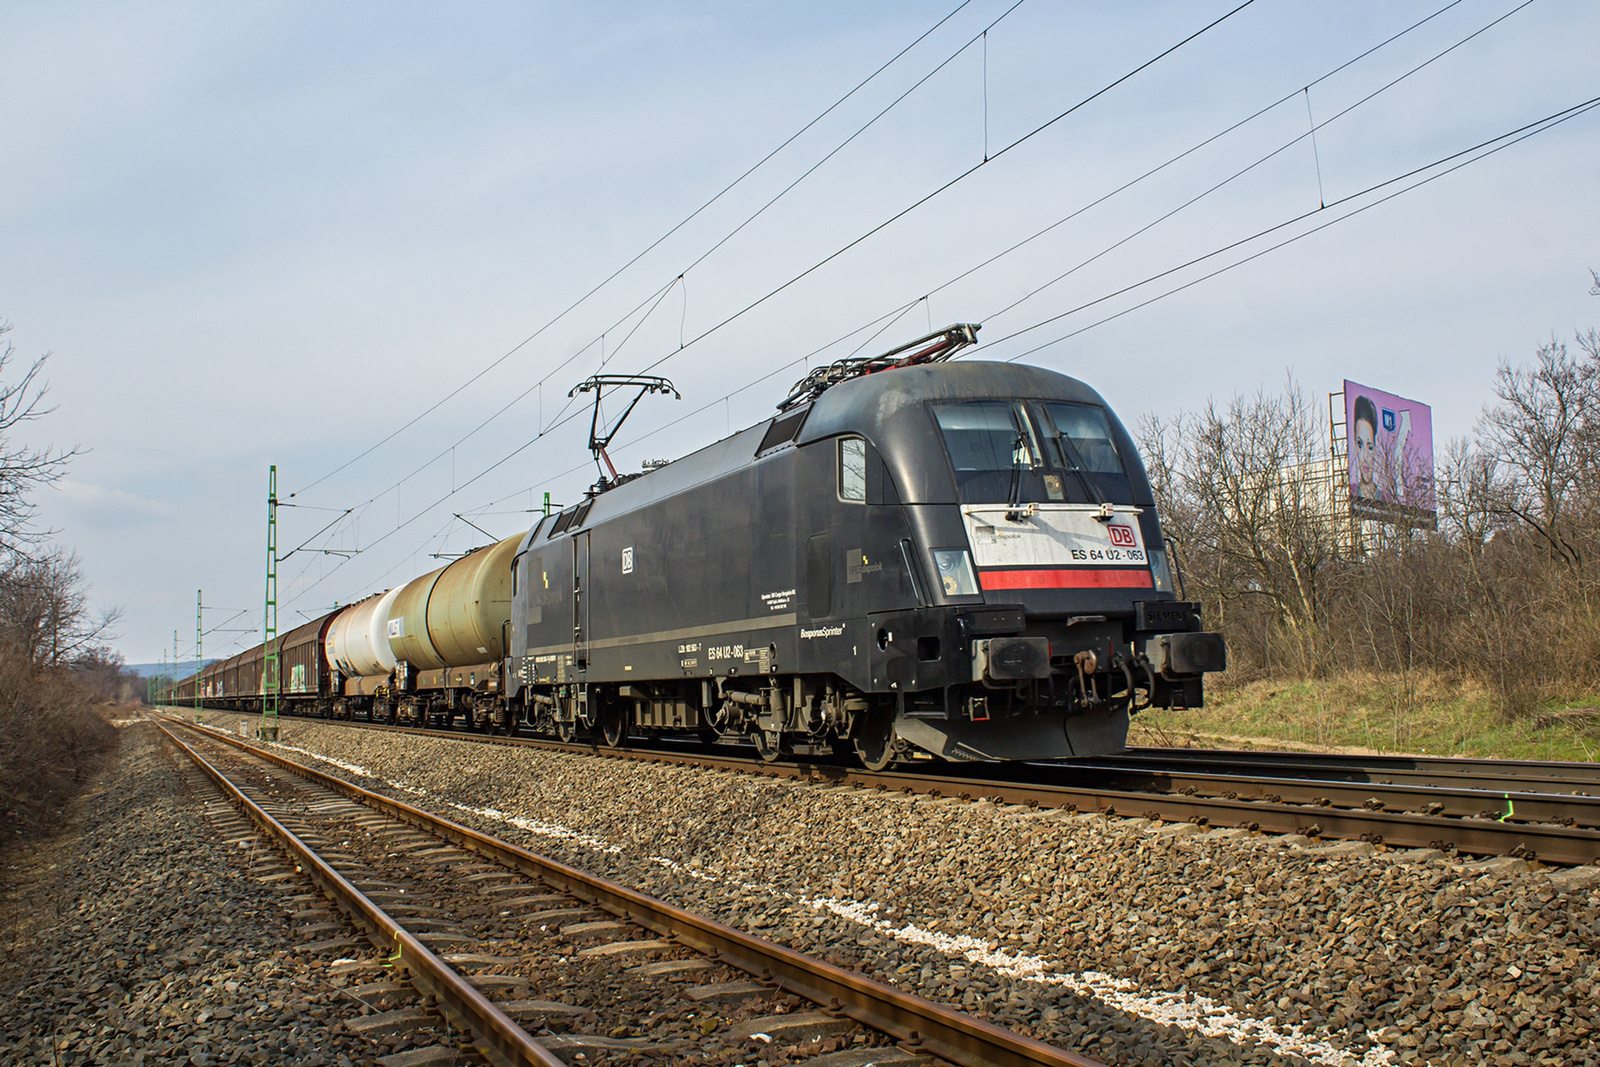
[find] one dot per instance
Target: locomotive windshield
(1005, 452)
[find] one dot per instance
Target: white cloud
(104, 506)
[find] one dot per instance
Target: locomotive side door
(580, 600)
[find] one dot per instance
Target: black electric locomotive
(913, 558)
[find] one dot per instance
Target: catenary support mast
(271, 683)
(199, 637)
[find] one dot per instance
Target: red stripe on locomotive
(1067, 578)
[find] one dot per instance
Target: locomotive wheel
(874, 740)
(566, 731)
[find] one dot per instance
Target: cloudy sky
(279, 232)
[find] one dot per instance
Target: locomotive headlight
(956, 576)
(1159, 571)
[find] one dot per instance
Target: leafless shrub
(51, 740)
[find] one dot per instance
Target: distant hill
(150, 670)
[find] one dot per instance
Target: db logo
(1122, 536)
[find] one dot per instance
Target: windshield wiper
(1077, 466)
(1014, 491)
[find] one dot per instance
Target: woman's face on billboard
(1366, 450)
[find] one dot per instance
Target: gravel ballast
(151, 942)
(1124, 940)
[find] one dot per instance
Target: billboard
(1390, 449)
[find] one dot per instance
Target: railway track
(1493, 775)
(476, 924)
(1177, 786)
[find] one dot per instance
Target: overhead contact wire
(1511, 137)
(948, 185)
(648, 248)
(1124, 187)
(1322, 201)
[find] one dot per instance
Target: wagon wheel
(614, 726)
(767, 748)
(874, 739)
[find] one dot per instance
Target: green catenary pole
(199, 638)
(174, 685)
(270, 681)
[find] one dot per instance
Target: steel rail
(495, 1034)
(1511, 805)
(913, 1020)
(1551, 843)
(1544, 776)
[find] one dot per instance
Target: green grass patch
(1429, 715)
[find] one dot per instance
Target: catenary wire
(648, 248)
(1511, 137)
(951, 183)
(654, 299)
(1258, 162)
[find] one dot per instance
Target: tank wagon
(951, 560)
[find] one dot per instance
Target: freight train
(913, 559)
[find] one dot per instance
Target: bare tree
(23, 468)
(45, 612)
(1544, 433)
(1246, 489)
(1469, 487)
(105, 674)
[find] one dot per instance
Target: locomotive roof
(886, 408)
(874, 401)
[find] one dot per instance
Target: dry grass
(1419, 714)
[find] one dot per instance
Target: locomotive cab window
(852, 469)
(1080, 439)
